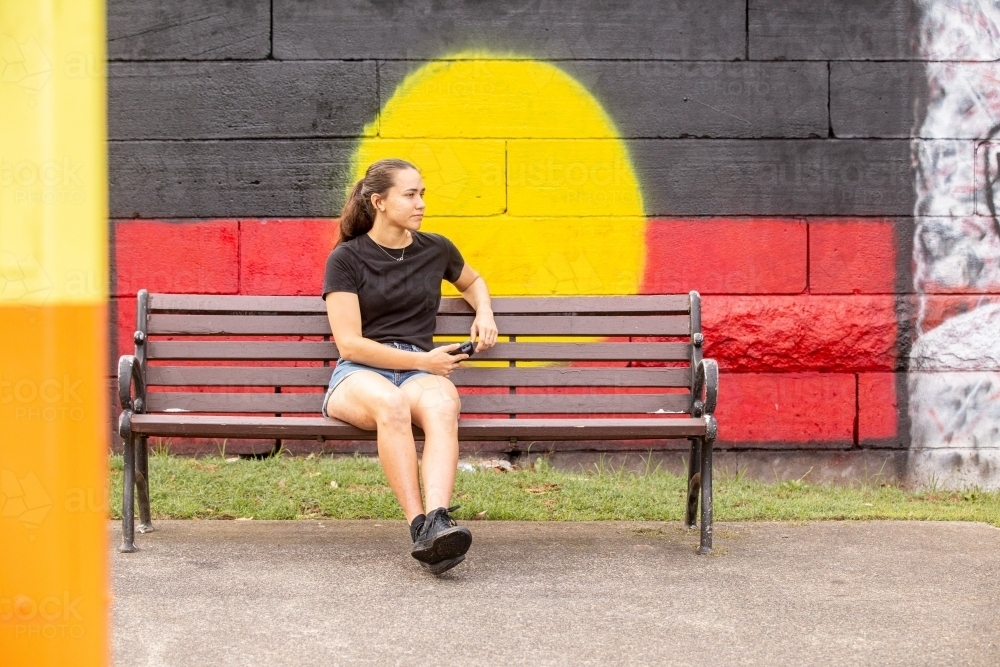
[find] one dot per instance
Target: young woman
(382, 290)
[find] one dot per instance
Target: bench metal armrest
(131, 384)
(706, 388)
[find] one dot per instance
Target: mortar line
(808, 256)
(506, 177)
(746, 28)
(857, 409)
(829, 97)
(239, 256)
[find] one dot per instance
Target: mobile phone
(468, 347)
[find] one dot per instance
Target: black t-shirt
(399, 300)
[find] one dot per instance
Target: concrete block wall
(770, 142)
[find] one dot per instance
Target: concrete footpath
(347, 593)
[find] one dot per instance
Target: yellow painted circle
(524, 172)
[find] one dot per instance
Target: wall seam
(506, 177)
(808, 256)
(650, 217)
(857, 408)
(829, 96)
(746, 27)
(677, 138)
(239, 257)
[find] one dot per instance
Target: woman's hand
(473, 289)
(439, 362)
(486, 328)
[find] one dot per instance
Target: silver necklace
(398, 259)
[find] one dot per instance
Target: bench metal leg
(128, 498)
(142, 483)
(694, 483)
(706, 496)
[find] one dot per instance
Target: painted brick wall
(770, 139)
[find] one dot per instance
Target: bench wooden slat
(447, 325)
(472, 404)
(208, 426)
(245, 351)
(573, 325)
(247, 325)
(322, 351)
(211, 303)
(665, 304)
(223, 376)
(182, 401)
(644, 303)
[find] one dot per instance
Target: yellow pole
(53, 334)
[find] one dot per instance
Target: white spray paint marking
(954, 381)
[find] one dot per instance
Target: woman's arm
(474, 290)
(344, 312)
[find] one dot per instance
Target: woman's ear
(375, 199)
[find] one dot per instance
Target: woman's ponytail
(358, 215)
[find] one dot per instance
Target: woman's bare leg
(434, 406)
(369, 401)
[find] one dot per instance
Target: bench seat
(565, 369)
(306, 428)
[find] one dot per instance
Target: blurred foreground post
(53, 334)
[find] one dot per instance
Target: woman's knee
(434, 401)
(443, 415)
(391, 406)
(446, 412)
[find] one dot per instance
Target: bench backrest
(580, 355)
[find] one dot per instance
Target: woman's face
(403, 205)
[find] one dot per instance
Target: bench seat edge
(311, 428)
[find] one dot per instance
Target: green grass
(286, 487)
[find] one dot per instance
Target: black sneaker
(418, 523)
(433, 568)
(442, 566)
(440, 538)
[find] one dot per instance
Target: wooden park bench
(216, 367)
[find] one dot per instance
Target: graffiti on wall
(954, 372)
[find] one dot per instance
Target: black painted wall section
(772, 107)
(241, 100)
(871, 99)
(229, 179)
(188, 29)
(541, 29)
(831, 29)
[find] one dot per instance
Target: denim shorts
(345, 368)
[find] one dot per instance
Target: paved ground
(346, 592)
